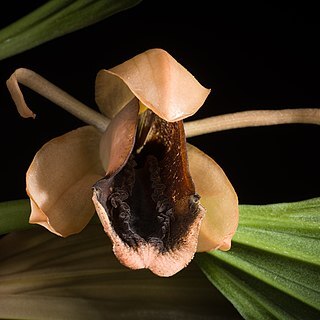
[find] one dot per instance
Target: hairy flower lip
(161, 234)
(146, 256)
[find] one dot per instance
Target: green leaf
(44, 276)
(273, 268)
(271, 272)
(14, 215)
(54, 19)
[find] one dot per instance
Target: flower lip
(157, 80)
(149, 207)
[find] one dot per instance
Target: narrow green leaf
(14, 215)
(253, 298)
(36, 16)
(289, 229)
(54, 19)
(273, 268)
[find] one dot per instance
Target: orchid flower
(159, 199)
(148, 186)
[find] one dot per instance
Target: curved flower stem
(236, 120)
(252, 118)
(45, 88)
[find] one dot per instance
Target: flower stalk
(243, 119)
(48, 90)
(253, 118)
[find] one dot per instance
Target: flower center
(138, 206)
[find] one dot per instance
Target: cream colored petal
(60, 178)
(157, 80)
(219, 199)
(118, 140)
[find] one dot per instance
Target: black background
(252, 56)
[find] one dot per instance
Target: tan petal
(118, 140)
(60, 178)
(157, 80)
(219, 199)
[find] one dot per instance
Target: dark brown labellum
(152, 201)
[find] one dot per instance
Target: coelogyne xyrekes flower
(158, 198)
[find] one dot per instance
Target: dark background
(252, 56)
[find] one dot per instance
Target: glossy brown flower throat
(150, 201)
